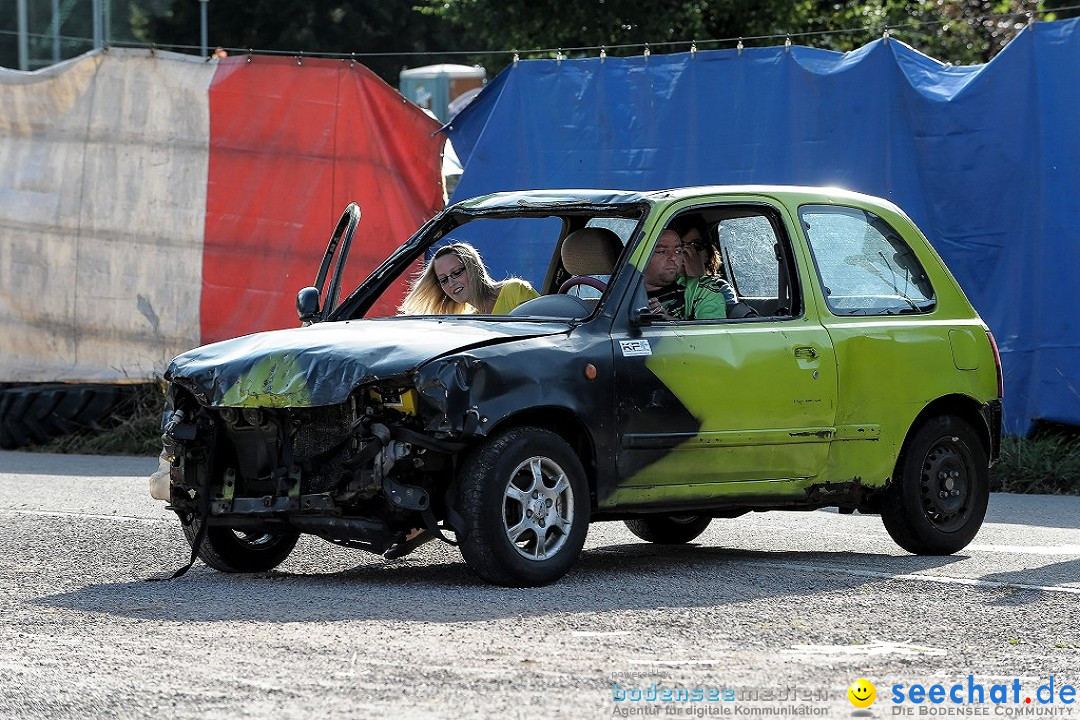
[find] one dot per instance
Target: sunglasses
(698, 245)
(452, 276)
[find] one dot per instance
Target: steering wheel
(582, 280)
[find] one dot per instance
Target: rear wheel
(238, 551)
(938, 498)
(525, 503)
(668, 529)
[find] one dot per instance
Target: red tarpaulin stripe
(290, 146)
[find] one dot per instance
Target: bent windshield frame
(515, 245)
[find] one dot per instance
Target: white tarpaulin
(102, 206)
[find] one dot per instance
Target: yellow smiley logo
(862, 693)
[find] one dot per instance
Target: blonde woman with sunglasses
(456, 282)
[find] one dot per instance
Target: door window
(742, 246)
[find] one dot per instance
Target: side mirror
(307, 304)
(644, 316)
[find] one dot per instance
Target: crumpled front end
(357, 473)
(345, 430)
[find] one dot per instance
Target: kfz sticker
(635, 348)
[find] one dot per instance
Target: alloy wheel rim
(255, 539)
(538, 508)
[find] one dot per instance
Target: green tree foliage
(311, 26)
(957, 31)
(961, 32)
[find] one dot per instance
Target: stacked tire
(37, 413)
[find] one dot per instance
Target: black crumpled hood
(321, 364)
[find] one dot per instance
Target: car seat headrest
(591, 251)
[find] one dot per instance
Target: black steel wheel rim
(946, 480)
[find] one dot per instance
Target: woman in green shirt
(456, 282)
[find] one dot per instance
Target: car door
(709, 409)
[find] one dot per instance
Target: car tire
(938, 498)
(525, 502)
(38, 413)
(668, 529)
(236, 551)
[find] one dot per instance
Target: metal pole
(202, 26)
(24, 41)
(95, 6)
(55, 31)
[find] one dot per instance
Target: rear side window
(865, 267)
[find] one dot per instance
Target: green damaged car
(825, 358)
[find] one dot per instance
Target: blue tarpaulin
(986, 159)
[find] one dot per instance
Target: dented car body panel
(849, 342)
(322, 364)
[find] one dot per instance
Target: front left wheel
(237, 551)
(525, 502)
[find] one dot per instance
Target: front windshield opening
(512, 268)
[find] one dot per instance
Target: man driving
(673, 295)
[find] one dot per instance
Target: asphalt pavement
(767, 615)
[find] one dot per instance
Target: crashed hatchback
(847, 370)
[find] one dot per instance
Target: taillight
(997, 364)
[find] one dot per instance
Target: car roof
(795, 194)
